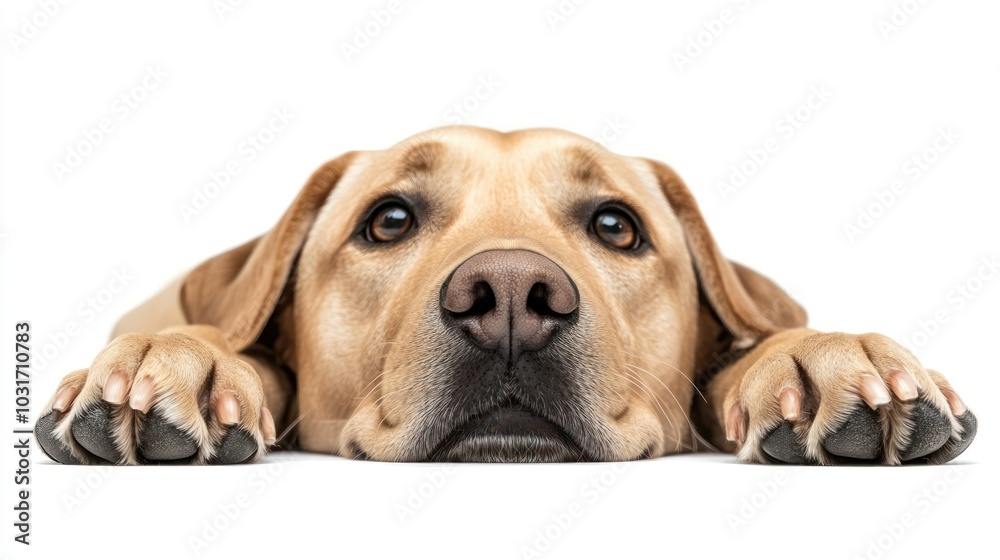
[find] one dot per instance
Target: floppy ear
(237, 291)
(749, 305)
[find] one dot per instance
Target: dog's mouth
(509, 433)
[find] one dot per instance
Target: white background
(63, 236)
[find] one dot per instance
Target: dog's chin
(508, 435)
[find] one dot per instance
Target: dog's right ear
(237, 291)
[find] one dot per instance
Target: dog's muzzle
(504, 305)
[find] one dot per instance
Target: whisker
(377, 406)
(692, 430)
(289, 429)
(364, 398)
(660, 404)
(647, 391)
(672, 366)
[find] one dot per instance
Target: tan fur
(355, 325)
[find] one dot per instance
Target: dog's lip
(509, 428)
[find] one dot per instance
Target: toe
(92, 429)
(159, 440)
(237, 446)
(50, 444)
(860, 436)
(783, 445)
(955, 446)
(931, 430)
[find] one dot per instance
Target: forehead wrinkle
(579, 174)
(584, 167)
(420, 159)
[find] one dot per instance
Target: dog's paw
(154, 399)
(835, 398)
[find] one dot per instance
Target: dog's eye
(389, 223)
(616, 229)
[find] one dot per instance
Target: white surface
(326, 507)
(61, 241)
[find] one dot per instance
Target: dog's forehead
(474, 172)
(528, 162)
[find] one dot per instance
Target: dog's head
(481, 296)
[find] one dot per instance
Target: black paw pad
(51, 446)
(160, 440)
(860, 437)
(783, 445)
(93, 430)
(237, 446)
(931, 430)
(955, 448)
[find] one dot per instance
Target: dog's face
(469, 295)
(488, 296)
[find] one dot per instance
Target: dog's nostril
(483, 298)
(483, 301)
(538, 301)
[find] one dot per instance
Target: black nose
(509, 299)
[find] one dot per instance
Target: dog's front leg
(803, 396)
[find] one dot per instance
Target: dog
(473, 295)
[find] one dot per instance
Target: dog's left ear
(749, 305)
(237, 291)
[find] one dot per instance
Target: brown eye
(389, 223)
(616, 229)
